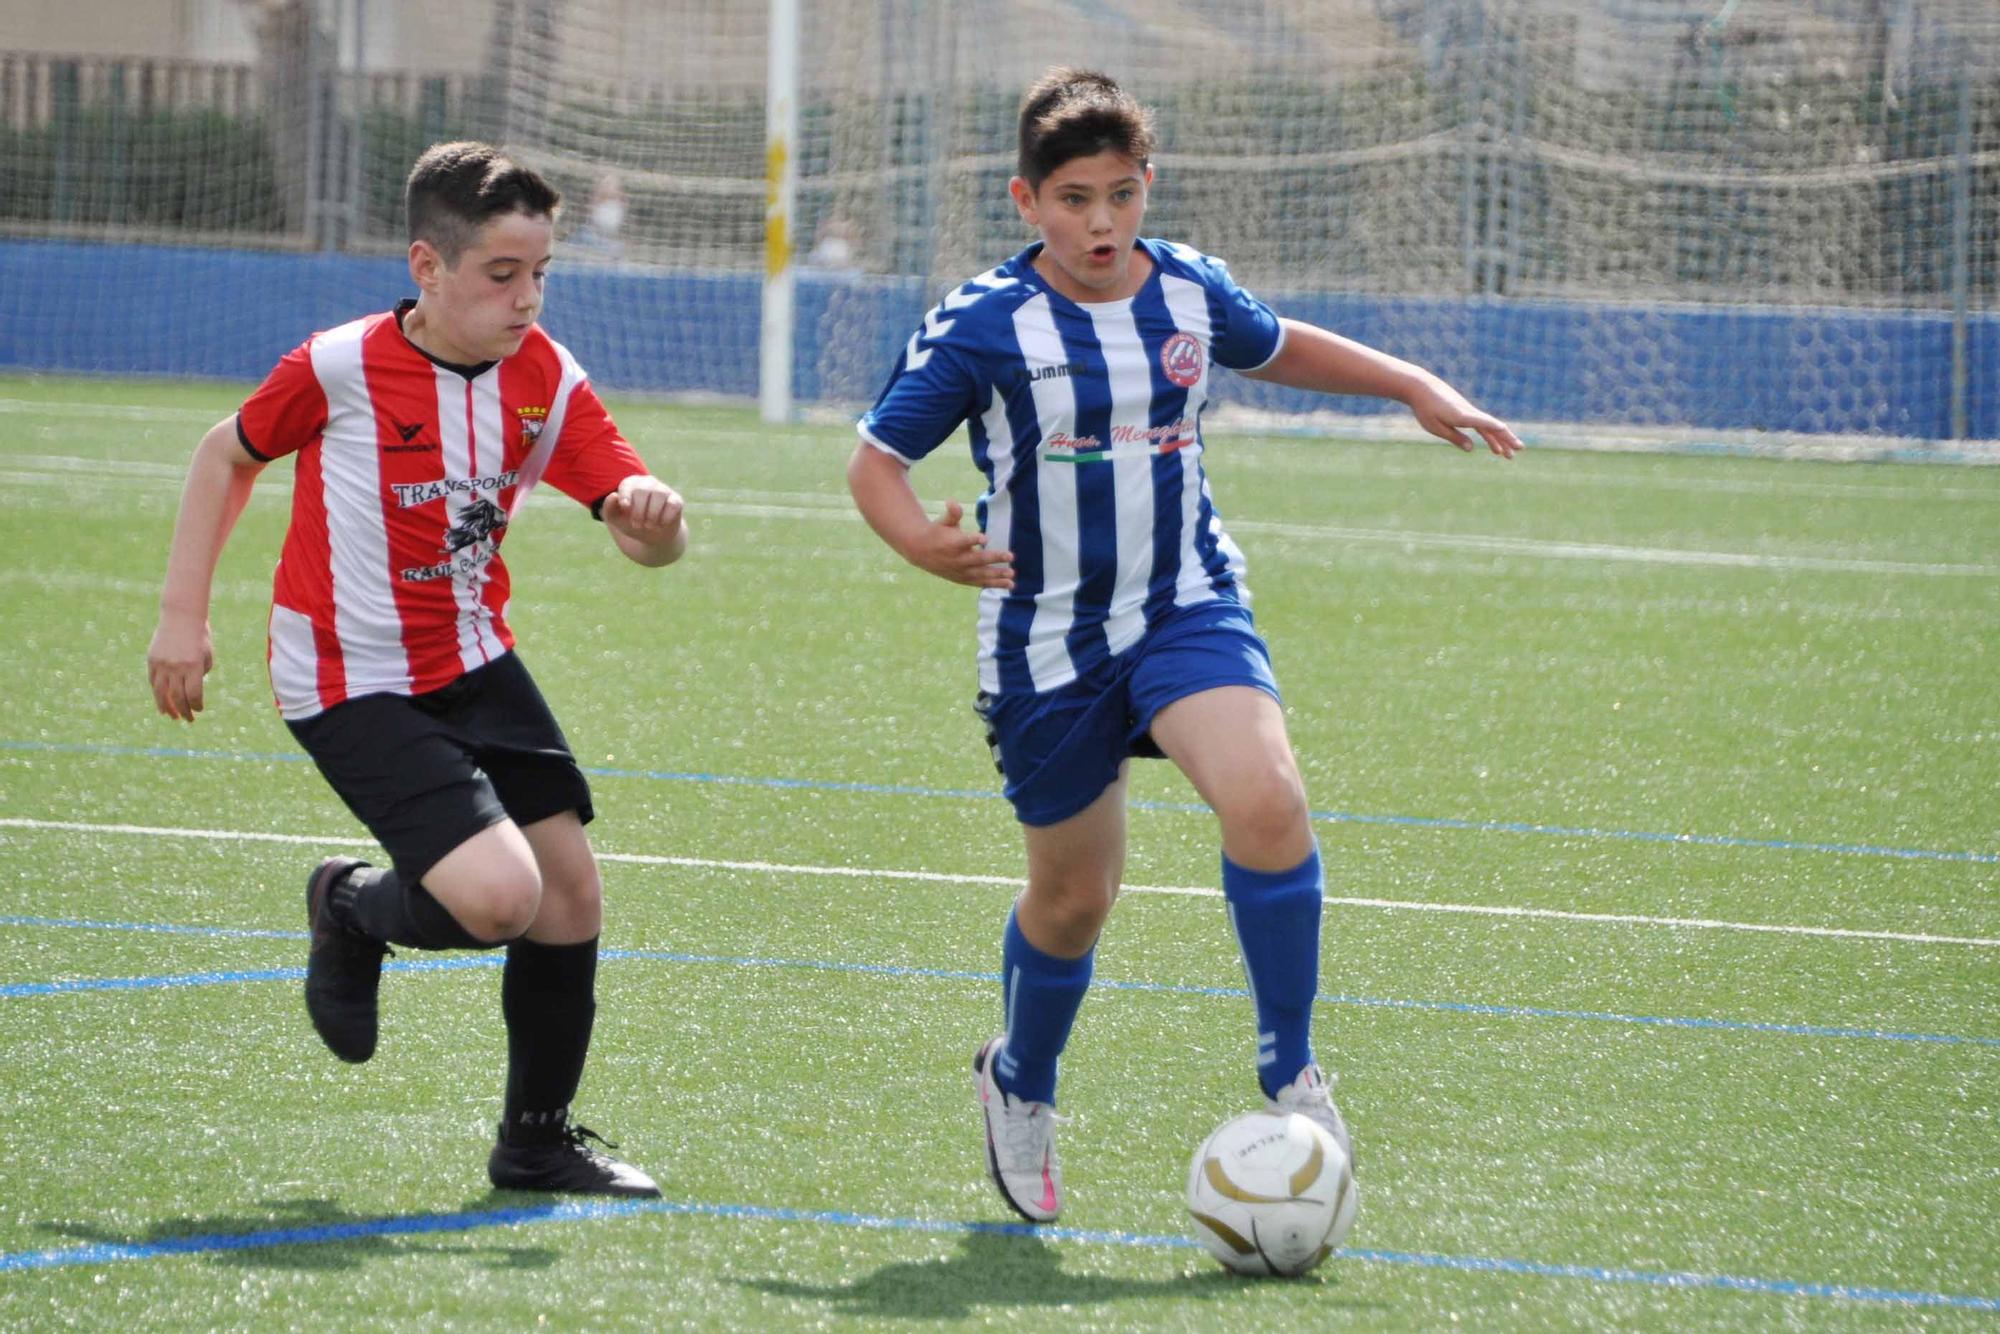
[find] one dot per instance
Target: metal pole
(1517, 163)
(1497, 165)
(356, 207)
(1463, 82)
(316, 133)
(940, 132)
(65, 103)
(1961, 250)
(781, 124)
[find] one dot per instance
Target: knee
(1267, 811)
(1071, 913)
(576, 891)
(1079, 921)
(509, 906)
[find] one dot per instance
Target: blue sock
(1042, 995)
(1276, 916)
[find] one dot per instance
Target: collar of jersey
(1025, 264)
(470, 372)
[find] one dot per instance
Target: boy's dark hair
(1072, 113)
(456, 188)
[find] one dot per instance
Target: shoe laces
(574, 1134)
(1025, 1132)
(1304, 1092)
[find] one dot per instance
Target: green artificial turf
(1671, 697)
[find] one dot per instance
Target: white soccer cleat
(1311, 1096)
(1020, 1143)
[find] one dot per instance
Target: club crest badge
(532, 421)
(1182, 358)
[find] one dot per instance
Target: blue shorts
(1061, 748)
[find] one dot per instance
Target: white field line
(1253, 429)
(74, 478)
(819, 506)
(1517, 546)
(1011, 882)
(1397, 537)
(133, 412)
(1333, 467)
(1329, 467)
(91, 584)
(1529, 546)
(69, 463)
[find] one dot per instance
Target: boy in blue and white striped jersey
(1113, 618)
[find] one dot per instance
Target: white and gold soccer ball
(1270, 1194)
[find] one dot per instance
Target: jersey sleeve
(1246, 331)
(590, 458)
(932, 389)
(286, 412)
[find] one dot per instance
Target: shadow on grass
(995, 1270)
(307, 1234)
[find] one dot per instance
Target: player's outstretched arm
(882, 492)
(647, 520)
(182, 651)
(1313, 358)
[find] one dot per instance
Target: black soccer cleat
(566, 1163)
(343, 970)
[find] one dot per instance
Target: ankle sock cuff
(534, 1127)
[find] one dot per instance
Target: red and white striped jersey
(409, 471)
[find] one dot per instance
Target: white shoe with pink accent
(1311, 1096)
(1020, 1143)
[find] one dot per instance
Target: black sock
(548, 996)
(378, 903)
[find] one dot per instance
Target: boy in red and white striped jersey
(419, 433)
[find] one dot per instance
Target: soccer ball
(1270, 1194)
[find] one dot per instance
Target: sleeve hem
(868, 437)
(249, 448)
(1275, 350)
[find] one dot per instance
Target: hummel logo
(408, 433)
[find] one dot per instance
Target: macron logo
(408, 434)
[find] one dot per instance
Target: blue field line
(99, 1253)
(161, 928)
(1174, 807)
(18, 990)
(167, 981)
(425, 965)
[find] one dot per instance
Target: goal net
(1711, 216)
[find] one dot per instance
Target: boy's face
(480, 308)
(1088, 211)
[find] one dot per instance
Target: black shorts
(427, 772)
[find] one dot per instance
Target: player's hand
(179, 656)
(949, 552)
(1442, 411)
(645, 509)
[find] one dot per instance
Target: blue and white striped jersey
(1086, 420)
